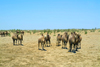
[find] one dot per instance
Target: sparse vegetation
(44, 30)
(54, 31)
(58, 30)
(48, 30)
(29, 31)
(51, 31)
(34, 31)
(24, 55)
(85, 32)
(41, 33)
(54, 35)
(9, 34)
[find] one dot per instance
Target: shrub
(34, 31)
(68, 30)
(41, 33)
(85, 32)
(44, 30)
(48, 31)
(54, 31)
(58, 30)
(9, 34)
(61, 30)
(54, 35)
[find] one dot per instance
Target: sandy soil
(54, 56)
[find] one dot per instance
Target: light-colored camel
(14, 38)
(41, 41)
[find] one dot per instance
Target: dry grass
(54, 56)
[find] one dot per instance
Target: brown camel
(47, 38)
(17, 37)
(22, 32)
(20, 38)
(14, 37)
(79, 39)
(59, 38)
(65, 39)
(73, 40)
(41, 41)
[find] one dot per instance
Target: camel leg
(21, 42)
(62, 44)
(46, 44)
(79, 45)
(13, 42)
(4, 35)
(70, 47)
(76, 46)
(42, 46)
(16, 41)
(38, 45)
(58, 42)
(49, 43)
(65, 44)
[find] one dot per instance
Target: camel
(17, 37)
(79, 39)
(47, 38)
(20, 38)
(41, 41)
(64, 39)
(59, 38)
(14, 37)
(73, 40)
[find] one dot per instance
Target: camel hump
(45, 36)
(70, 36)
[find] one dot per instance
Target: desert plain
(53, 56)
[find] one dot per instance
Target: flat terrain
(54, 56)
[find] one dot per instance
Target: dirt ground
(54, 56)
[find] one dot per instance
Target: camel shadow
(18, 44)
(42, 49)
(2, 36)
(79, 48)
(64, 48)
(47, 46)
(73, 51)
(58, 45)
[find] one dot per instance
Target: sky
(49, 14)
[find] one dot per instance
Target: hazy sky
(49, 14)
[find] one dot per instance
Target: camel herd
(18, 36)
(4, 33)
(74, 40)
